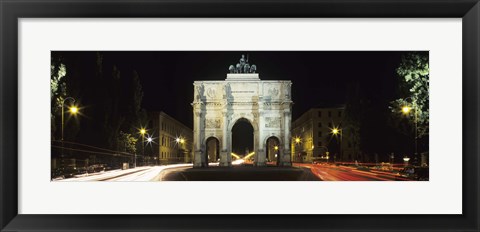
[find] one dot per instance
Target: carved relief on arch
(272, 122)
(211, 93)
(273, 92)
(212, 123)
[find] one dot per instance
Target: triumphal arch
(242, 96)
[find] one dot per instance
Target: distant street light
(297, 140)
(73, 110)
(406, 159)
(337, 131)
(142, 131)
(181, 148)
(406, 109)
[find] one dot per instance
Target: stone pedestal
(285, 159)
(224, 159)
(260, 159)
(198, 160)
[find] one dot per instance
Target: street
(241, 172)
(330, 172)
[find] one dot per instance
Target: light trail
(329, 172)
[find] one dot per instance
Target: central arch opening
(242, 138)
(273, 150)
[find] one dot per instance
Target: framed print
(268, 115)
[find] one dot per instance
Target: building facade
(318, 136)
(173, 141)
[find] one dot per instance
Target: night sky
(318, 77)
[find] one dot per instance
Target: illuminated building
(172, 139)
(318, 135)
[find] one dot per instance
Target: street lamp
(181, 148)
(142, 131)
(73, 110)
(406, 111)
(295, 143)
(336, 131)
(297, 140)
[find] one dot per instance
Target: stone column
(286, 156)
(225, 159)
(259, 139)
(197, 140)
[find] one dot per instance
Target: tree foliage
(58, 90)
(127, 142)
(413, 72)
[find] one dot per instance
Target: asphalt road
(328, 172)
(237, 173)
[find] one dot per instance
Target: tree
(414, 91)
(128, 142)
(410, 112)
(58, 89)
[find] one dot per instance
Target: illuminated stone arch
(218, 105)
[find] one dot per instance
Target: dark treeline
(109, 101)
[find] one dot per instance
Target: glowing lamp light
(276, 148)
(297, 140)
(182, 141)
(143, 131)
(335, 131)
(177, 140)
(406, 159)
(406, 109)
(149, 139)
(73, 110)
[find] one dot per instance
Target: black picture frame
(11, 11)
